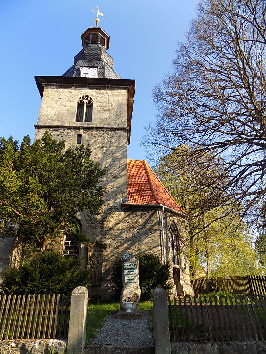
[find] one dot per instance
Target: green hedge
(46, 272)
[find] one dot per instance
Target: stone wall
(135, 230)
(111, 154)
(58, 106)
(106, 134)
(116, 233)
(33, 346)
(219, 348)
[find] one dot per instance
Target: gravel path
(126, 332)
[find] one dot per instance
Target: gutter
(163, 241)
(184, 215)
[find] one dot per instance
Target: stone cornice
(90, 127)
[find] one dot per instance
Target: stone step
(110, 349)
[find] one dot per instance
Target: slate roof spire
(93, 61)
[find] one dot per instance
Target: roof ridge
(149, 178)
(161, 183)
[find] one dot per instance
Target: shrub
(152, 274)
(46, 272)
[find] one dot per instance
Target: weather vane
(98, 13)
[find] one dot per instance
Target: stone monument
(130, 296)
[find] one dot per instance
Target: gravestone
(130, 276)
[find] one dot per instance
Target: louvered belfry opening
(84, 109)
(80, 111)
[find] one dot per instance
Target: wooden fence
(34, 316)
(250, 285)
(257, 285)
(217, 318)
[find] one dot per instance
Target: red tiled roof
(144, 187)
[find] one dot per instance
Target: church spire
(93, 61)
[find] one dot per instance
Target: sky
(42, 37)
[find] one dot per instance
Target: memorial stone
(131, 292)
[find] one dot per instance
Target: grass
(98, 312)
(146, 306)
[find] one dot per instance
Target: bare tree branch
(215, 100)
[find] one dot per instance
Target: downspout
(163, 238)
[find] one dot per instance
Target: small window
(79, 139)
(71, 248)
(88, 39)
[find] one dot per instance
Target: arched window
(88, 112)
(80, 111)
(84, 109)
(175, 243)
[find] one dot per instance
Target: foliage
(261, 239)
(46, 273)
(261, 248)
(146, 306)
(43, 187)
(152, 274)
(198, 182)
(218, 240)
(215, 99)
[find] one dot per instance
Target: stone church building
(91, 104)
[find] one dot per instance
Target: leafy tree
(215, 99)
(261, 248)
(229, 245)
(261, 239)
(152, 274)
(46, 273)
(218, 237)
(43, 187)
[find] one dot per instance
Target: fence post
(77, 322)
(161, 324)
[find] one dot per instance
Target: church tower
(90, 104)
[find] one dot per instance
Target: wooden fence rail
(34, 316)
(217, 318)
(249, 285)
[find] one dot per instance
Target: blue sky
(42, 37)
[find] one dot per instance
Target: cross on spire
(98, 13)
